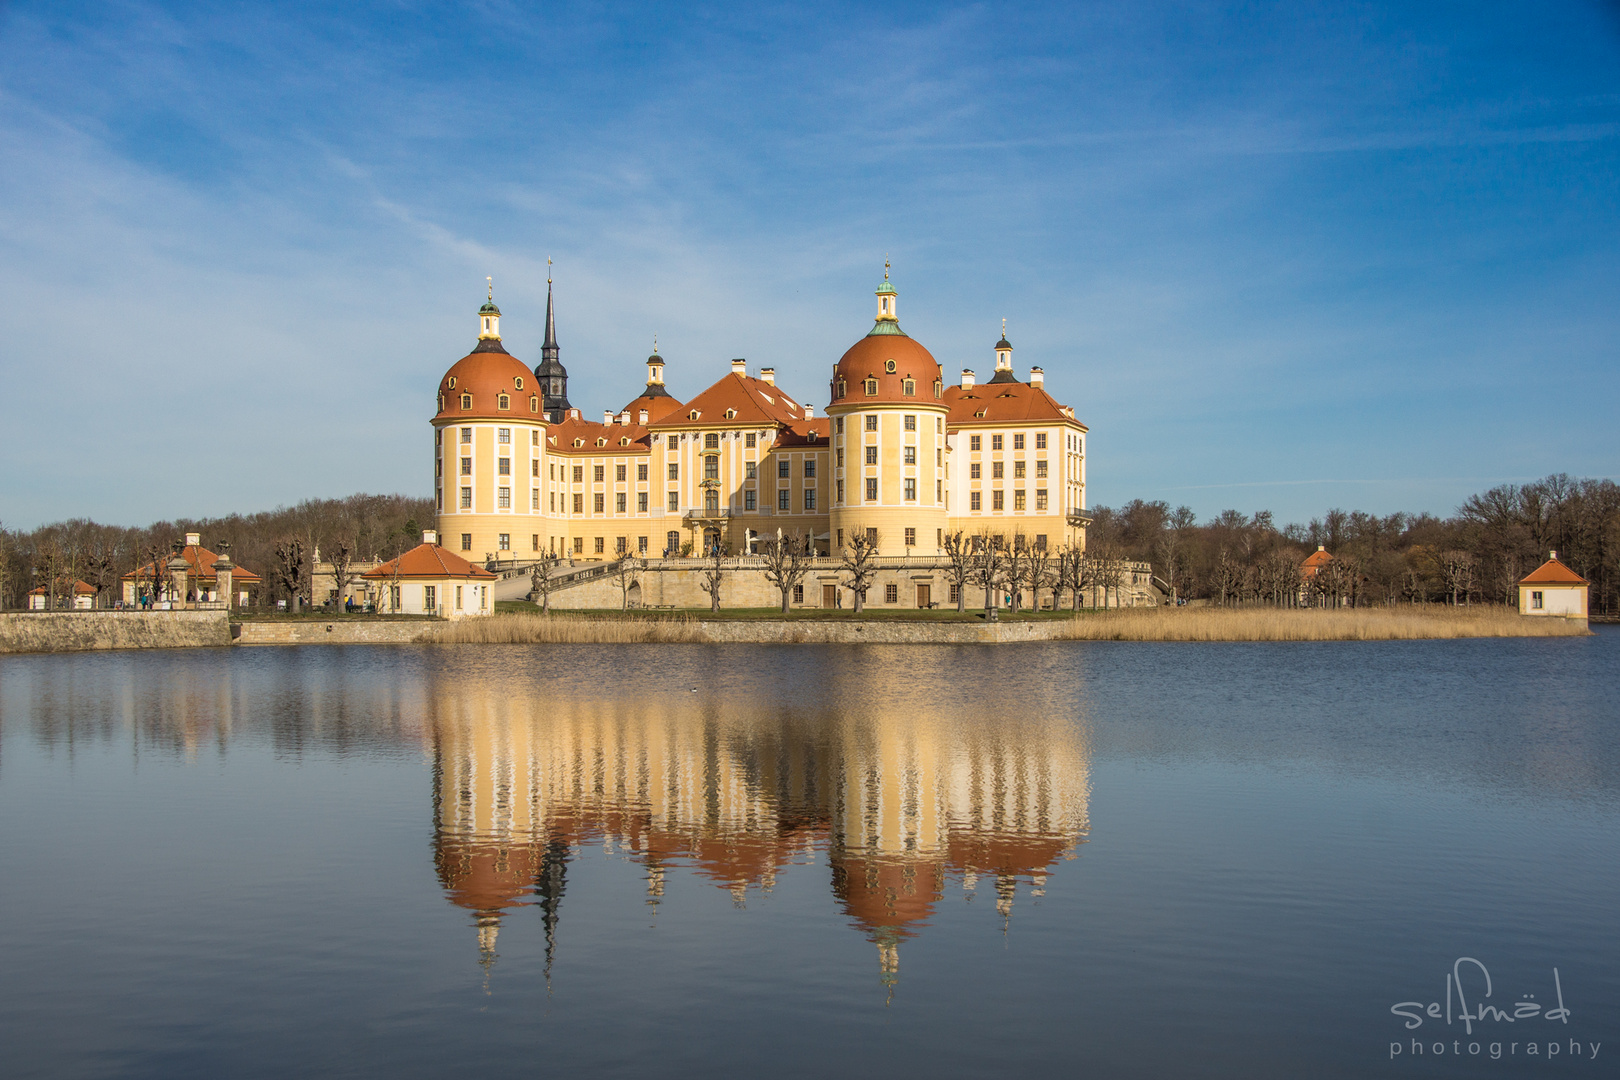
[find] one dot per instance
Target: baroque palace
(520, 472)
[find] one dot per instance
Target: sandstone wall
(79, 631)
(338, 632)
(876, 633)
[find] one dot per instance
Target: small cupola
(489, 317)
(1004, 368)
(655, 366)
(886, 298)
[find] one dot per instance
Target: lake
(1111, 859)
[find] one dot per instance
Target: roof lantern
(1004, 368)
(489, 317)
(888, 322)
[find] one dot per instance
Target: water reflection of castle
(900, 802)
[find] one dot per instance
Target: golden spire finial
(655, 343)
(1004, 328)
(885, 266)
(548, 269)
(491, 288)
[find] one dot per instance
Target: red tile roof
(79, 587)
(561, 437)
(430, 561)
(487, 374)
(1005, 403)
(658, 406)
(1552, 572)
(869, 358)
(754, 401)
(202, 567)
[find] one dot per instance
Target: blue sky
(1284, 256)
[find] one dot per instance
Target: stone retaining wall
(80, 631)
(338, 632)
(876, 633)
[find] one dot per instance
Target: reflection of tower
(553, 879)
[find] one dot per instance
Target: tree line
(279, 545)
(1477, 555)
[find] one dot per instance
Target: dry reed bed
(1358, 624)
(565, 630)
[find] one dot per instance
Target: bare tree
(290, 568)
(714, 576)
(860, 563)
(626, 572)
(989, 568)
(540, 583)
(1042, 575)
(959, 553)
(341, 558)
(786, 565)
(1017, 571)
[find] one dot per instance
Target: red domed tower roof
(489, 383)
(886, 366)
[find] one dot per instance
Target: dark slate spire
(552, 375)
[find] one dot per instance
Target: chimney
(768, 374)
(809, 412)
(574, 413)
(624, 418)
(607, 416)
(739, 367)
(430, 537)
(194, 539)
(1553, 555)
(641, 417)
(967, 378)
(1037, 377)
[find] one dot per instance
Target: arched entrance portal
(711, 540)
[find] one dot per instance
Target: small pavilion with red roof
(1553, 589)
(431, 580)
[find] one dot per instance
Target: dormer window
(939, 389)
(466, 401)
(625, 441)
(693, 415)
(842, 389)
(601, 442)
(731, 414)
(534, 403)
(503, 402)
(517, 382)
(579, 442)
(871, 387)
(908, 387)
(888, 366)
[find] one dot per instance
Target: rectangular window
(839, 495)
(1040, 498)
(995, 442)
(871, 422)
(911, 423)
(598, 545)
(534, 467)
(798, 594)
(503, 435)
(619, 501)
(504, 466)
(619, 545)
(783, 499)
(641, 472)
(1040, 541)
(750, 470)
(597, 501)
(1535, 600)
(997, 470)
(674, 502)
(599, 473)
(466, 541)
(504, 498)
(466, 434)
(1040, 469)
(975, 471)
(891, 594)
(871, 489)
(674, 469)
(579, 474)
(1040, 440)
(809, 467)
(1018, 441)
(534, 542)
(911, 455)
(534, 498)
(954, 590)
(503, 541)
(939, 491)
(641, 545)
(911, 538)
(975, 501)
(534, 437)
(838, 459)
(466, 466)
(711, 467)
(871, 455)
(711, 441)
(641, 502)
(910, 489)
(998, 500)
(809, 498)
(673, 442)
(975, 442)
(430, 597)
(1018, 470)
(1018, 499)
(784, 468)
(466, 498)
(838, 425)
(618, 473)
(751, 440)
(579, 503)
(750, 501)
(579, 545)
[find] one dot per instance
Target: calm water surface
(1093, 859)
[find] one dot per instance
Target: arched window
(908, 387)
(504, 401)
(466, 401)
(939, 389)
(842, 389)
(534, 403)
(871, 387)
